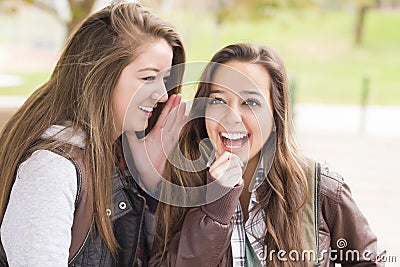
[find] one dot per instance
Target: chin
(244, 157)
(135, 128)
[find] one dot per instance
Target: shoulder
(44, 182)
(48, 171)
(45, 161)
(331, 182)
(46, 186)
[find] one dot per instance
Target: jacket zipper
(316, 208)
(140, 228)
(83, 244)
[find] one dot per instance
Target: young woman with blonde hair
(66, 195)
(265, 204)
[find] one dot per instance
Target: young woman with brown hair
(275, 204)
(66, 197)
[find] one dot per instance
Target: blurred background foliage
(69, 13)
(331, 47)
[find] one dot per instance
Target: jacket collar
(65, 133)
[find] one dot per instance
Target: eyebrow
(149, 69)
(216, 91)
(246, 92)
(166, 73)
(251, 92)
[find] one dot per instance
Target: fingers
(178, 100)
(170, 120)
(231, 178)
(227, 169)
(224, 160)
(173, 115)
(171, 103)
(174, 124)
(219, 160)
(181, 117)
(224, 169)
(177, 116)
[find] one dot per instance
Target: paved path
(366, 154)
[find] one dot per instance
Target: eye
(149, 78)
(216, 101)
(252, 103)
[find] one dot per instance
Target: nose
(160, 98)
(160, 94)
(232, 115)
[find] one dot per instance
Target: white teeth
(234, 136)
(233, 147)
(146, 109)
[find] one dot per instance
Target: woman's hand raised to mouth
(227, 169)
(150, 153)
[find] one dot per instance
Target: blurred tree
(362, 6)
(255, 9)
(261, 9)
(78, 10)
(388, 3)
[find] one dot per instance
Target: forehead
(241, 77)
(155, 55)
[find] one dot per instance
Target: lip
(148, 110)
(234, 149)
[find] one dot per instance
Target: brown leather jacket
(204, 239)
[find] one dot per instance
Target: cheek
(258, 125)
(123, 105)
(140, 92)
(214, 113)
(119, 108)
(129, 95)
(262, 128)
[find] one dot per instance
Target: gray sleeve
(36, 229)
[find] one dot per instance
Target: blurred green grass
(317, 47)
(30, 82)
(318, 50)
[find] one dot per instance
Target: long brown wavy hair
(80, 91)
(285, 186)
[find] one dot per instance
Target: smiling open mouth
(147, 110)
(234, 141)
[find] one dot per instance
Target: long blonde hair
(285, 188)
(80, 91)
